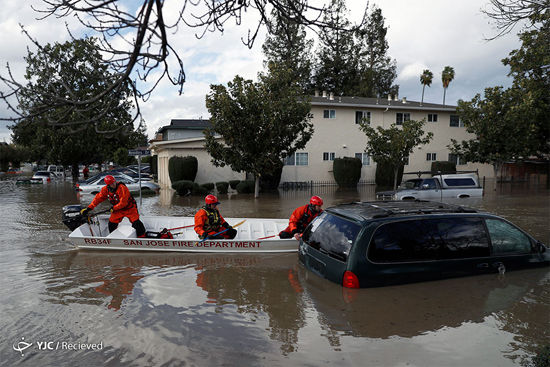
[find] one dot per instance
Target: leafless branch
(509, 13)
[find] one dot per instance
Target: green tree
(259, 123)
(336, 65)
(426, 80)
(12, 154)
(447, 76)
(377, 71)
(57, 134)
(393, 145)
(287, 45)
(494, 121)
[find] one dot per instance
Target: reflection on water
(227, 309)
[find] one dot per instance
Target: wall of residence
(207, 172)
(342, 136)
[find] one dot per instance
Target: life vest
(306, 218)
(213, 221)
(114, 198)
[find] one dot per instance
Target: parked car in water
(96, 183)
(436, 187)
(59, 171)
(43, 177)
(132, 173)
(389, 242)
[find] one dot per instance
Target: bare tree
(138, 45)
(508, 13)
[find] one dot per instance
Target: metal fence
(300, 185)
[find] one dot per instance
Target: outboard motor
(72, 217)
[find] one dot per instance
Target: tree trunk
(423, 87)
(395, 173)
(496, 168)
(257, 187)
(74, 172)
(444, 92)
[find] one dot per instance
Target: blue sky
(422, 34)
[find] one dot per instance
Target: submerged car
(96, 183)
(43, 177)
(436, 187)
(370, 244)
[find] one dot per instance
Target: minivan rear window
(429, 239)
(332, 235)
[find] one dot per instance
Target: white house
(337, 134)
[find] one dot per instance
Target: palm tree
(425, 80)
(447, 76)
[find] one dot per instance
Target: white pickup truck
(436, 187)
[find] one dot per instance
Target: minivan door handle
(483, 266)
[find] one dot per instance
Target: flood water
(178, 309)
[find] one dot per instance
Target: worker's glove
(84, 212)
(202, 236)
(112, 209)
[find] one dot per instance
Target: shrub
(245, 187)
(222, 187)
(542, 359)
(271, 181)
(384, 175)
(347, 171)
(183, 187)
(199, 189)
(209, 186)
(234, 183)
(182, 168)
(154, 164)
(443, 166)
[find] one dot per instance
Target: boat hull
(255, 235)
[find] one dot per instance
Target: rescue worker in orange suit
(124, 205)
(209, 221)
(301, 217)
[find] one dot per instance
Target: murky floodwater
(172, 309)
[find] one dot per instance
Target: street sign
(132, 152)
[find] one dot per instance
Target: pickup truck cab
(435, 187)
(368, 244)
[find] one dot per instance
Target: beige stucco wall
(343, 137)
(339, 135)
(206, 172)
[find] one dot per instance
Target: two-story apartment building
(337, 134)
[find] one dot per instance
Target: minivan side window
(429, 239)
(332, 235)
(507, 239)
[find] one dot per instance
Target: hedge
(183, 187)
(234, 183)
(443, 166)
(347, 171)
(182, 168)
(222, 187)
(245, 187)
(384, 175)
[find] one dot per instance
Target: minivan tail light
(350, 280)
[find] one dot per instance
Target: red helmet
(109, 180)
(316, 200)
(211, 199)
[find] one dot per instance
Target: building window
(329, 114)
(297, 159)
(431, 157)
(361, 116)
(456, 122)
(401, 117)
(432, 117)
(328, 156)
(364, 157)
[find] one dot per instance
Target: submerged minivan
(368, 244)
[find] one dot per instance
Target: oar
(191, 225)
(264, 238)
(220, 232)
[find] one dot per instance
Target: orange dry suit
(209, 221)
(299, 220)
(124, 204)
